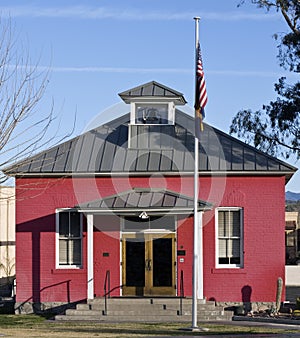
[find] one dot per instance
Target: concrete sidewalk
(267, 320)
(250, 323)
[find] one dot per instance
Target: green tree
(276, 128)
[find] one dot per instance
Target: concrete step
(144, 310)
(137, 307)
(167, 303)
(141, 312)
(127, 312)
(119, 300)
(167, 318)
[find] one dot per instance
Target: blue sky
(97, 49)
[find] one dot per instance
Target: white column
(90, 256)
(200, 256)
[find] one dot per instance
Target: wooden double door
(148, 264)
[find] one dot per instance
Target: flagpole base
(195, 329)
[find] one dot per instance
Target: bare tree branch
(24, 127)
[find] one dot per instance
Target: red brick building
(118, 201)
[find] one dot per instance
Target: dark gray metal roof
(167, 149)
(152, 89)
(146, 199)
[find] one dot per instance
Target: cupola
(152, 103)
(152, 115)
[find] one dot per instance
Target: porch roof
(136, 200)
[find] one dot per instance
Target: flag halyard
(200, 94)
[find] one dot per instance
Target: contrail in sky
(229, 72)
(100, 13)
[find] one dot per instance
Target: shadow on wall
(36, 230)
(246, 298)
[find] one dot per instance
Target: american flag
(200, 94)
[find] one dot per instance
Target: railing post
(108, 283)
(181, 288)
(106, 291)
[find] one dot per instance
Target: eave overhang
(287, 174)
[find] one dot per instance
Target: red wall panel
(107, 254)
(264, 247)
(262, 199)
(185, 263)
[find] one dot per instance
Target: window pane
(64, 224)
(235, 250)
(135, 263)
(222, 248)
(75, 224)
(235, 260)
(162, 262)
(236, 224)
(75, 251)
(152, 114)
(63, 251)
(162, 223)
(223, 260)
(290, 238)
(223, 217)
(157, 223)
(136, 224)
(221, 224)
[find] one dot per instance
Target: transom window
(153, 223)
(229, 237)
(69, 230)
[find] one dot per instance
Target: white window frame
(241, 264)
(171, 111)
(58, 265)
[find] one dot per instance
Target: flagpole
(200, 102)
(196, 194)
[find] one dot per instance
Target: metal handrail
(106, 290)
(181, 293)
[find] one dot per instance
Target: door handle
(148, 264)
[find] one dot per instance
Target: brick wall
(262, 199)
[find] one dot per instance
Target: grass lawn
(36, 326)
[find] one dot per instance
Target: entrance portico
(148, 228)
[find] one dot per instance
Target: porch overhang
(138, 202)
(152, 201)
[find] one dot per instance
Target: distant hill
(292, 196)
(292, 201)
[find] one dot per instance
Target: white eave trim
(149, 173)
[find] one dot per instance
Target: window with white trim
(229, 224)
(69, 230)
